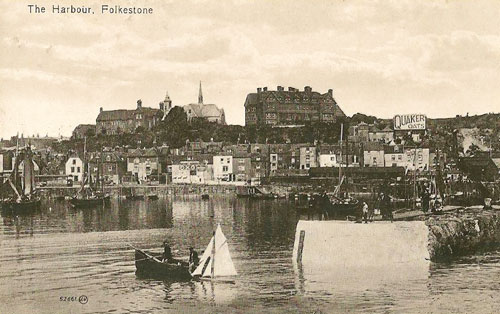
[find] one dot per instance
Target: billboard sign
(410, 122)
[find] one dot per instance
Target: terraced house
(291, 107)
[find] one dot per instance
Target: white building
(192, 172)
(223, 168)
(409, 158)
(74, 168)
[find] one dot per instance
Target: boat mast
(212, 268)
(340, 165)
(84, 176)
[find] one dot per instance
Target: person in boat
(167, 252)
(194, 260)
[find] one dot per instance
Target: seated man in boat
(167, 252)
(193, 259)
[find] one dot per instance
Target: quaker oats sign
(410, 122)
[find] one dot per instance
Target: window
(393, 157)
(77, 169)
(225, 168)
(74, 161)
(228, 161)
(72, 169)
(110, 168)
(400, 157)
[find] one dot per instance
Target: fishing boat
(134, 197)
(89, 196)
(339, 205)
(153, 197)
(253, 192)
(22, 187)
(215, 263)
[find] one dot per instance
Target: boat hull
(134, 197)
(147, 267)
(88, 202)
(22, 206)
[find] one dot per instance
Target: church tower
(167, 103)
(200, 96)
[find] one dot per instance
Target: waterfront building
(192, 172)
(74, 168)
(110, 166)
(223, 168)
(328, 156)
(373, 154)
(83, 130)
(410, 158)
(259, 159)
(210, 112)
(127, 121)
(7, 159)
(143, 164)
(292, 107)
(308, 157)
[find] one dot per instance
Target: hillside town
(293, 139)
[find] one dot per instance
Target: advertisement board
(410, 122)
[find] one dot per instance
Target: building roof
(291, 96)
(373, 146)
(204, 110)
(123, 114)
(84, 126)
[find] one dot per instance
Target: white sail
(204, 258)
(222, 263)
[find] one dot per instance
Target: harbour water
(53, 257)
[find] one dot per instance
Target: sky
(439, 58)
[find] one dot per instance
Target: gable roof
(124, 114)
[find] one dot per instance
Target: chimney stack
(291, 89)
(259, 89)
(330, 92)
(139, 104)
(265, 89)
(100, 109)
(162, 106)
(307, 89)
(280, 88)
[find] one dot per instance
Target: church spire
(200, 96)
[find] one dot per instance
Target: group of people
(385, 205)
(430, 202)
(193, 256)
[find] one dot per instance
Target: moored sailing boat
(341, 206)
(86, 196)
(24, 189)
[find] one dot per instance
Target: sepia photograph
(249, 156)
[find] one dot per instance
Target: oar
(149, 256)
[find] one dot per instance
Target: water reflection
(86, 251)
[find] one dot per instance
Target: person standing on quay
(365, 212)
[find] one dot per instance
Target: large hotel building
(291, 107)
